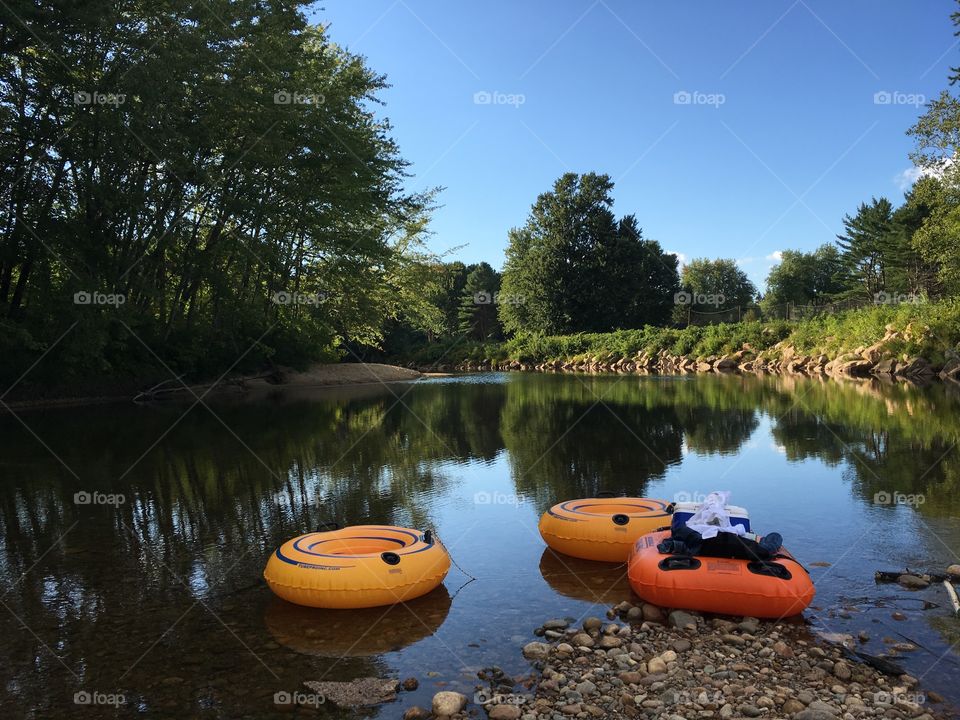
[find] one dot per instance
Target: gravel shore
(641, 662)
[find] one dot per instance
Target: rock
(446, 703)
(656, 665)
(681, 645)
(503, 712)
(751, 711)
(682, 620)
(635, 614)
(841, 670)
(782, 649)
(669, 656)
(792, 706)
(898, 616)
(592, 623)
(631, 677)
(564, 649)
(356, 693)
(913, 582)
(555, 624)
(652, 613)
(586, 688)
(582, 640)
(608, 642)
(416, 713)
(536, 650)
(727, 711)
(749, 625)
(816, 710)
(411, 683)
(954, 571)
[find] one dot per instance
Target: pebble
(682, 620)
(416, 713)
(592, 623)
(446, 703)
(503, 712)
(582, 640)
(536, 650)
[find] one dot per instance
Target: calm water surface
(158, 597)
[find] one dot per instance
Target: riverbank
(643, 662)
(316, 376)
(917, 342)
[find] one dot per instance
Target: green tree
(803, 278)
(478, 303)
(713, 286)
(579, 269)
(864, 247)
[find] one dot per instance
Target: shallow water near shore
(151, 589)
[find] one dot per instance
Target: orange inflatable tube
(602, 528)
(357, 567)
(772, 589)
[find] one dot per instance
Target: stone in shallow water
(446, 703)
(356, 693)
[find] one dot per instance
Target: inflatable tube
(585, 580)
(602, 528)
(356, 633)
(776, 589)
(357, 567)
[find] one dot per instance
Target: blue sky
(735, 129)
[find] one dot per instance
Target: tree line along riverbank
(916, 341)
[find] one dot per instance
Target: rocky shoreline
(878, 359)
(642, 662)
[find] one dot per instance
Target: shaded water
(158, 597)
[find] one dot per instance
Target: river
(132, 539)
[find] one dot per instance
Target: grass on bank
(927, 330)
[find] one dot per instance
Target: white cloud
(775, 256)
(906, 178)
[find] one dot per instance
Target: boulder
(356, 693)
(447, 703)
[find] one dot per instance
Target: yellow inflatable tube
(602, 528)
(357, 567)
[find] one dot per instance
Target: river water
(132, 539)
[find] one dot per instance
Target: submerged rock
(356, 693)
